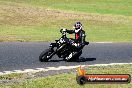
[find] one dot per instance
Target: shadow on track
(81, 59)
(55, 60)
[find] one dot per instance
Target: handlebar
(63, 31)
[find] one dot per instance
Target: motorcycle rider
(79, 40)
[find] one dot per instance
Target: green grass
(13, 33)
(24, 34)
(40, 20)
(122, 7)
(68, 80)
(12, 76)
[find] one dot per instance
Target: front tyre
(44, 56)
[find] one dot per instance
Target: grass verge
(26, 20)
(121, 7)
(67, 80)
(12, 76)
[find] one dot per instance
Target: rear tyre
(74, 58)
(44, 56)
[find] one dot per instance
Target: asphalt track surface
(24, 55)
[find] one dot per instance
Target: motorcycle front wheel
(44, 56)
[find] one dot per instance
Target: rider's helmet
(77, 26)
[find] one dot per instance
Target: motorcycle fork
(52, 48)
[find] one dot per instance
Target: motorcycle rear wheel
(74, 58)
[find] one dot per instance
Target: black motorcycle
(63, 48)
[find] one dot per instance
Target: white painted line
(109, 64)
(40, 69)
(55, 68)
(102, 42)
(17, 70)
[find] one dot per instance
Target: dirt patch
(30, 76)
(30, 16)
